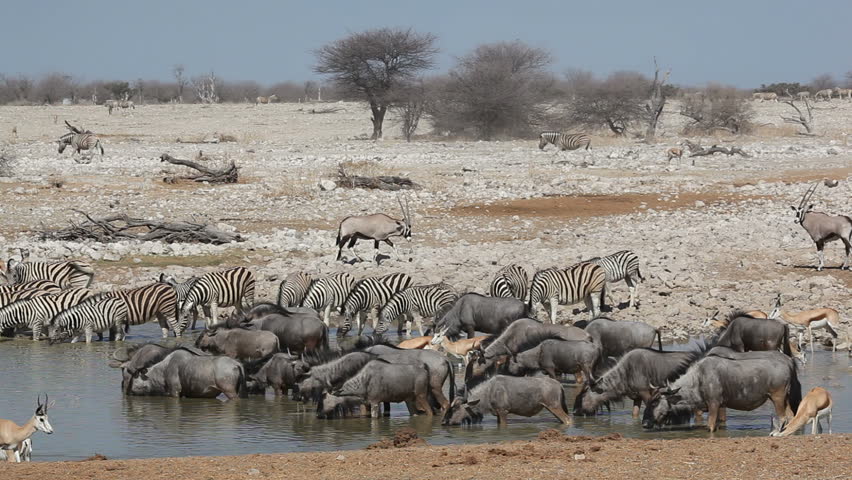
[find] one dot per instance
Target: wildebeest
(238, 343)
(440, 369)
(278, 372)
(296, 331)
(743, 333)
(382, 381)
(502, 395)
(728, 379)
(473, 312)
(133, 358)
(331, 375)
(618, 338)
(184, 373)
(557, 356)
(632, 377)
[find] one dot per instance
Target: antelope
(12, 436)
(460, 348)
(826, 318)
(415, 343)
(824, 228)
(377, 227)
(674, 152)
(817, 403)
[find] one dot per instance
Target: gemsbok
(826, 318)
(377, 227)
(817, 403)
(824, 228)
(13, 436)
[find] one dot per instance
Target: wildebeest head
(334, 406)
(206, 340)
(462, 412)
(662, 409)
(590, 398)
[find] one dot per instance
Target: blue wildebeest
(502, 395)
(382, 381)
(557, 356)
(238, 343)
(296, 331)
(618, 338)
(632, 377)
(473, 312)
(440, 368)
(133, 358)
(313, 381)
(744, 333)
(185, 373)
(278, 372)
(728, 379)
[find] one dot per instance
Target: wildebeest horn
(652, 386)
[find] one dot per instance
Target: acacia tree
(409, 103)
(371, 63)
(615, 102)
(180, 80)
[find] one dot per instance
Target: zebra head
(13, 276)
(64, 141)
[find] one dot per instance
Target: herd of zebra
(56, 296)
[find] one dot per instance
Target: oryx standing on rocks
(377, 227)
(824, 228)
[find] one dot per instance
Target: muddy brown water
(92, 416)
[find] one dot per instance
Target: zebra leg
(325, 316)
(594, 303)
(36, 331)
(88, 333)
(164, 326)
(362, 319)
(632, 284)
(214, 314)
(552, 310)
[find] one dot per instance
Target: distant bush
(781, 87)
(718, 107)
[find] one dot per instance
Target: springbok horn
(46, 402)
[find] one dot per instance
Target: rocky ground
(553, 455)
(716, 235)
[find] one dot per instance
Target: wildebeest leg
(699, 416)
(558, 413)
(847, 243)
(712, 416)
(723, 415)
(438, 394)
(374, 410)
(471, 331)
(501, 418)
(386, 409)
(637, 402)
(820, 254)
(363, 410)
(412, 408)
(782, 409)
(552, 310)
(551, 372)
(421, 401)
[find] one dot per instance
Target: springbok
(824, 228)
(826, 318)
(12, 436)
(377, 227)
(817, 403)
(674, 152)
(460, 348)
(415, 343)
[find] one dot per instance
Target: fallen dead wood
(229, 174)
(382, 182)
(717, 149)
(122, 227)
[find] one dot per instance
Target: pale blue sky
(743, 42)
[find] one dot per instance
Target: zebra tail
(639, 274)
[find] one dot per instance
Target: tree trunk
(654, 105)
(378, 119)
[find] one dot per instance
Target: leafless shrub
(615, 102)
(822, 82)
(373, 62)
(8, 161)
(409, 102)
(205, 87)
(718, 107)
(501, 89)
(180, 80)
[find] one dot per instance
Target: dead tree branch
(697, 150)
(382, 182)
(656, 102)
(119, 227)
(800, 118)
(226, 175)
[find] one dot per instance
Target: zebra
(155, 300)
(511, 281)
(228, 288)
(369, 294)
(270, 99)
(622, 265)
(328, 292)
(427, 300)
(565, 141)
(292, 291)
(73, 274)
(841, 92)
(825, 94)
(8, 298)
(33, 313)
(81, 141)
(92, 316)
(45, 285)
(181, 290)
(567, 286)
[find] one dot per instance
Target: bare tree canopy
(373, 62)
(656, 102)
(499, 89)
(410, 102)
(718, 107)
(823, 82)
(615, 102)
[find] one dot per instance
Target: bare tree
(205, 88)
(409, 102)
(181, 81)
(848, 77)
(499, 89)
(615, 102)
(656, 102)
(53, 87)
(371, 63)
(823, 82)
(577, 82)
(311, 90)
(718, 107)
(801, 118)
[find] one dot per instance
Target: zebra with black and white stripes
(181, 291)
(153, 301)
(511, 281)
(71, 274)
(565, 141)
(370, 294)
(81, 141)
(8, 298)
(45, 285)
(95, 315)
(33, 313)
(425, 300)
(622, 265)
(294, 288)
(329, 292)
(567, 286)
(228, 288)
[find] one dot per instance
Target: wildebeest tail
(659, 340)
(785, 343)
(253, 366)
(794, 395)
(452, 380)
(242, 386)
(563, 400)
(324, 340)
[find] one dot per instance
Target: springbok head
(41, 421)
(803, 207)
(439, 336)
(776, 309)
(406, 218)
(709, 320)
